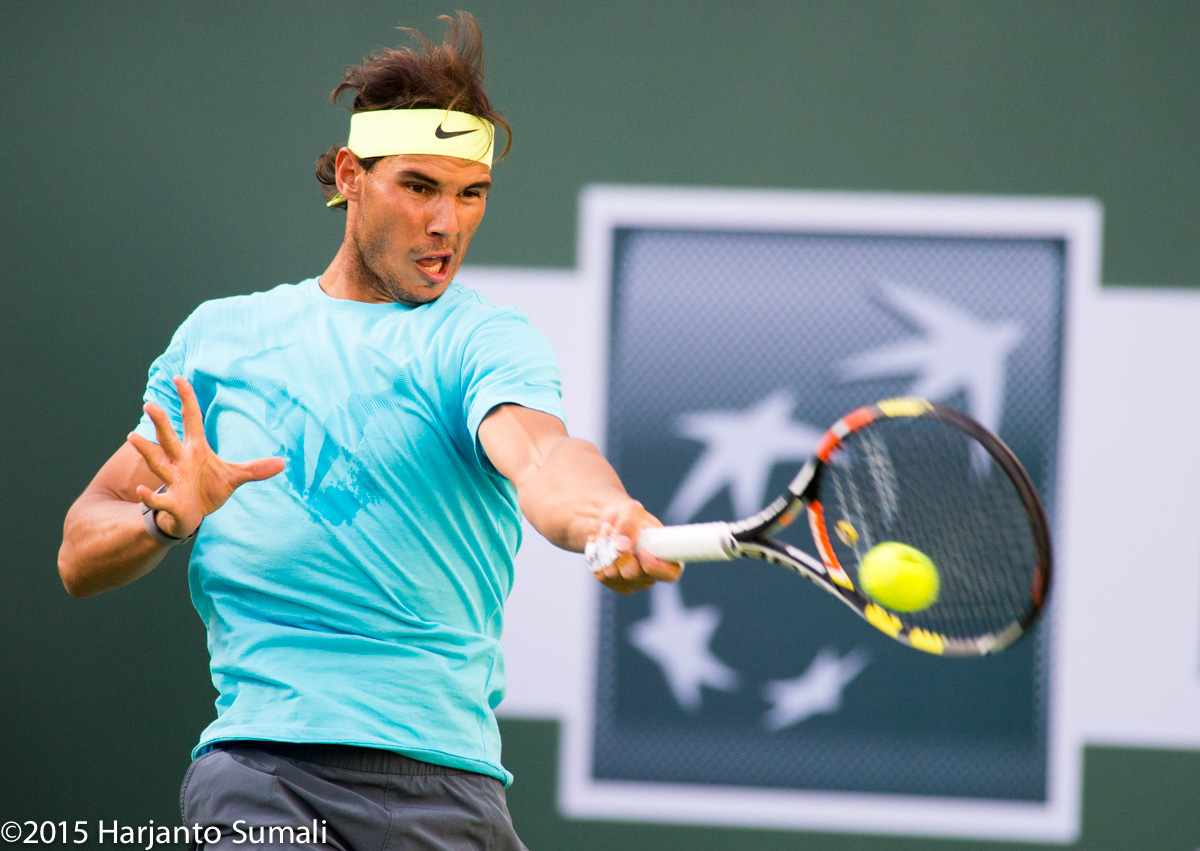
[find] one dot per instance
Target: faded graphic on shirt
(332, 458)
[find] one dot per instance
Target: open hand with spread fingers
(198, 481)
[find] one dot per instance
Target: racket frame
(751, 537)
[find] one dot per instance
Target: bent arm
(569, 492)
(105, 542)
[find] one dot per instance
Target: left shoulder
(472, 312)
(474, 305)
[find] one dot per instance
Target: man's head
(415, 174)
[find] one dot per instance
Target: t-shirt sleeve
(507, 360)
(160, 385)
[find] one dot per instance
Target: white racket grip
(695, 542)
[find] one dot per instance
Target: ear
(349, 174)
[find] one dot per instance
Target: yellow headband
(441, 132)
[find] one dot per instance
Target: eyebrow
(421, 177)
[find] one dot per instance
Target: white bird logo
(677, 638)
(955, 352)
(817, 691)
(741, 448)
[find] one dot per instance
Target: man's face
(414, 219)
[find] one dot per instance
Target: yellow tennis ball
(899, 577)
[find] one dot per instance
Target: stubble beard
(372, 275)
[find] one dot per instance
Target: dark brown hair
(442, 76)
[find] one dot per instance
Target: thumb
(258, 469)
(626, 528)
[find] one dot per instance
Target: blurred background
(161, 154)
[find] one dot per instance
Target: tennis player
(351, 455)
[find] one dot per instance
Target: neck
(347, 278)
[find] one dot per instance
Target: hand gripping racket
(909, 471)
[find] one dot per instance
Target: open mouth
(434, 267)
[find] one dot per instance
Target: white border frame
(1078, 223)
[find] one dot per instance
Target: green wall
(161, 153)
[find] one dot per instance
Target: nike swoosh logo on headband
(450, 134)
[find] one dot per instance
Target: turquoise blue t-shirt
(357, 597)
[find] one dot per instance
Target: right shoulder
(222, 322)
(280, 300)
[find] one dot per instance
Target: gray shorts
(266, 795)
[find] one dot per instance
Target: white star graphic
(677, 638)
(741, 448)
(957, 351)
(817, 690)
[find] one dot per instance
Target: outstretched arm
(105, 542)
(570, 493)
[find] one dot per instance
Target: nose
(443, 218)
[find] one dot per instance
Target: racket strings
(925, 483)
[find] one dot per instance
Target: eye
(419, 188)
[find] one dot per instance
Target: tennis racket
(908, 471)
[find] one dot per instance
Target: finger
(170, 521)
(256, 470)
(155, 500)
(657, 569)
(628, 568)
(604, 530)
(193, 421)
(168, 440)
(627, 517)
(625, 586)
(629, 525)
(625, 575)
(152, 454)
(608, 573)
